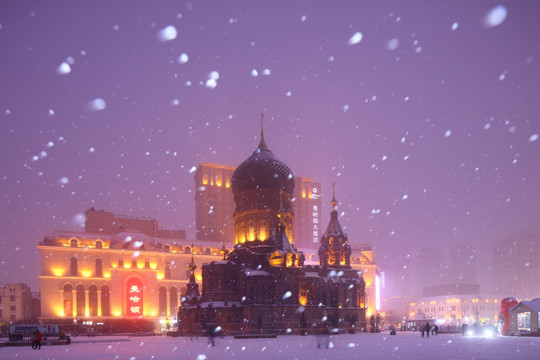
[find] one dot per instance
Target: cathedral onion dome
(262, 170)
(134, 241)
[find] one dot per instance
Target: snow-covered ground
(358, 346)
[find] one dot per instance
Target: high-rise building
(307, 223)
(516, 268)
(214, 206)
(214, 203)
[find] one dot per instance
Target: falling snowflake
(392, 44)
(356, 38)
(97, 104)
(212, 80)
(64, 68)
(183, 58)
(495, 16)
(167, 33)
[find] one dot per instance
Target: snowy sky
(424, 113)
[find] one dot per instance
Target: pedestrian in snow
(34, 341)
(38, 339)
(323, 335)
(436, 329)
(428, 327)
(211, 336)
(422, 329)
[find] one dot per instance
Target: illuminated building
(214, 203)
(455, 310)
(214, 206)
(129, 275)
(15, 303)
(263, 284)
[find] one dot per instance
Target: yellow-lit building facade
(127, 275)
(458, 310)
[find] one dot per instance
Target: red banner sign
(134, 297)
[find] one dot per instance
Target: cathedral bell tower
(335, 251)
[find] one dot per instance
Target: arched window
(81, 301)
(74, 266)
(187, 250)
(167, 270)
(244, 233)
(251, 234)
(93, 300)
(262, 231)
(68, 300)
(99, 244)
(167, 248)
(99, 268)
(173, 296)
(162, 301)
(105, 301)
(74, 243)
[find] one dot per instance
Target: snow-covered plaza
(357, 346)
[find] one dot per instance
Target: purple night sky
(424, 113)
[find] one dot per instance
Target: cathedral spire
(333, 202)
(262, 144)
(333, 226)
(224, 250)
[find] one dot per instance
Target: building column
(74, 303)
(168, 302)
(99, 303)
(61, 291)
(86, 304)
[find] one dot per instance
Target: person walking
(211, 336)
(38, 339)
(428, 327)
(34, 341)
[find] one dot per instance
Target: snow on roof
(533, 304)
(256, 273)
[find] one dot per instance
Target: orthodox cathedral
(263, 285)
